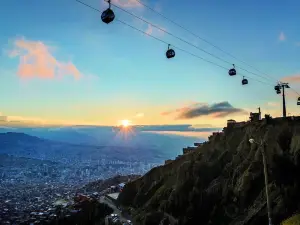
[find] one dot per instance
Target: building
(188, 150)
(198, 144)
(255, 116)
(231, 123)
(168, 161)
(215, 134)
(121, 186)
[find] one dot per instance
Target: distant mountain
(23, 145)
(161, 146)
(11, 137)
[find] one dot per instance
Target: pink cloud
(125, 3)
(151, 30)
(282, 36)
(292, 79)
(36, 60)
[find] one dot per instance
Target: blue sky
(124, 73)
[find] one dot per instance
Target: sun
(125, 123)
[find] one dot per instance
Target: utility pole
(277, 89)
(262, 146)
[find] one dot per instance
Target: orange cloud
(37, 61)
(273, 104)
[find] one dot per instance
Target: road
(105, 200)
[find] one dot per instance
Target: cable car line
(245, 81)
(158, 39)
(185, 41)
(204, 40)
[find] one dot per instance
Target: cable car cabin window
(108, 16)
(232, 72)
(170, 53)
(244, 81)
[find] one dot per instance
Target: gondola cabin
(276, 88)
(108, 16)
(170, 53)
(244, 81)
(232, 71)
(298, 102)
(278, 91)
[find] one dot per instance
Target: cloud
(182, 109)
(273, 104)
(202, 135)
(158, 7)
(140, 115)
(125, 3)
(36, 60)
(217, 110)
(292, 78)
(3, 118)
(151, 30)
(282, 36)
(178, 128)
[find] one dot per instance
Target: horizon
(71, 69)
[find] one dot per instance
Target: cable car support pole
(284, 85)
(283, 102)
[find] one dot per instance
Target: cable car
(170, 52)
(108, 15)
(298, 102)
(276, 88)
(278, 91)
(232, 71)
(244, 81)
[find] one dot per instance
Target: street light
(261, 145)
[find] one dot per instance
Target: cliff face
(222, 182)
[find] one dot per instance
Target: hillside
(222, 182)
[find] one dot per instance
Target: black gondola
(276, 88)
(278, 91)
(170, 52)
(298, 102)
(232, 71)
(244, 81)
(108, 15)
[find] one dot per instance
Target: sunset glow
(125, 123)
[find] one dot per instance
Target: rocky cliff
(222, 182)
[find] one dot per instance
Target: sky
(60, 64)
